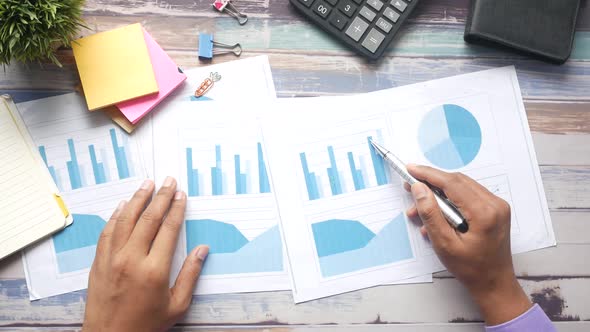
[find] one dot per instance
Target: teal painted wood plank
(446, 300)
(432, 11)
(569, 82)
(433, 41)
(312, 75)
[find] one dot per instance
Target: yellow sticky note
(114, 66)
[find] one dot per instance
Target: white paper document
(342, 211)
(247, 80)
(95, 165)
(219, 159)
(220, 162)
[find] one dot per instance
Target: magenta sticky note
(167, 75)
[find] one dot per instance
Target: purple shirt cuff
(534, 320)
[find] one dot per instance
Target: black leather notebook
(542, 28)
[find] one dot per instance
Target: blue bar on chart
(241, 174)
(97, 168)
(74, 167)
(335, 184)
(241, 178)
(378, 164)
(359, 175)
(120, 157)
(264, 184)
(217, 174)
(51, 169)
(192, 174)
(310, 179)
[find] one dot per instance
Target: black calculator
(367, 26)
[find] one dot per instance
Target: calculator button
(332, 2)
(391, 14)
(306, 3)
(367, 13)
(373, 40)
(357, 28)
(384, 25)
(347, 7)
(358, 2)
(376, 4)
(321, 9)
(399, 5)
(338, 20)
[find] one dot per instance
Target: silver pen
(448, 209)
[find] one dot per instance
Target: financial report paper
(342, 210)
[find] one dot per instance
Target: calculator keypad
(321, 8)
(384, 25)
(338, 20)
(347, 7)
(357, 28)
(373, 40)
(366, 25)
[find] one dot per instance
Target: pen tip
(463, 227)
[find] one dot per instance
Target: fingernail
(179, 195)
(168, 181)
(147, 184)
(202, 253)
(120, 206)
(419, 190)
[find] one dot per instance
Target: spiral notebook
(30, 205)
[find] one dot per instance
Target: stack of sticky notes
(125, 72)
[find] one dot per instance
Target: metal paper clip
(207, 84)
(206, 50)
(227, 6)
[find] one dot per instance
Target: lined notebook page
(28, 209)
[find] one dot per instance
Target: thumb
(182, 291)
(439, 231)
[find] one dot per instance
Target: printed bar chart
(336, 174)
(120, 157)
(50, 168)
(74, 167)
(223, 180)
(97, 168)
(77, 164)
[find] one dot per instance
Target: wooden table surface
(306, 62)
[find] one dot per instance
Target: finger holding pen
(481, 259)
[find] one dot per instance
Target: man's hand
(481, 259)
(128, 288)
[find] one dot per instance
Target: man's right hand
(481, 259)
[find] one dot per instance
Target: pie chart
(449, 136)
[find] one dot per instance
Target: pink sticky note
(167, 76)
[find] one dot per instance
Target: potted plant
(31, 30)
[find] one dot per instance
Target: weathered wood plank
(294, 35)
(434, 11)
(558, 118)
(448, 327)
(306, 75)
(445, 301)
(567, 187)
(571, 227)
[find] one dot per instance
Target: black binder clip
(228, 7)
(206, 50)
